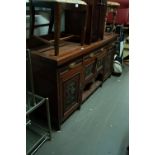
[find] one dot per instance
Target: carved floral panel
(71, 92)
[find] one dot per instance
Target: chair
(57, 7)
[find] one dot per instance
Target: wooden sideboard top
(70, 50)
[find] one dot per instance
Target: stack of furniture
(71, 76)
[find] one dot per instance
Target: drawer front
(70, 66)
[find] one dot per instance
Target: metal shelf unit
(36, 135)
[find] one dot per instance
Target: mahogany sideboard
(71, 77)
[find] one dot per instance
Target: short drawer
(70, 66)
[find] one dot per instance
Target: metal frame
(46, 136)
(31, 106)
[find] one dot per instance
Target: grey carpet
(100, 127)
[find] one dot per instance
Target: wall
(122, 14)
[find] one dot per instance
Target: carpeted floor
(101, 127)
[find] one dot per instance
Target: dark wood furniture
(57, 8)
(96, 20)
(70, 78)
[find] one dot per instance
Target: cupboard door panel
(70, 93)
(89, 71)
(100, 60)
(89, 67)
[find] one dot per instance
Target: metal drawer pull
(91, 55)
(72, 65)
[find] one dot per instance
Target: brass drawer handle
(72, 65)
(91, 55)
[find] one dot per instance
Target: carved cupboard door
(70, 92)
(100, 60)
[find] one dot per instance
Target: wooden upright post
(57, 26)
